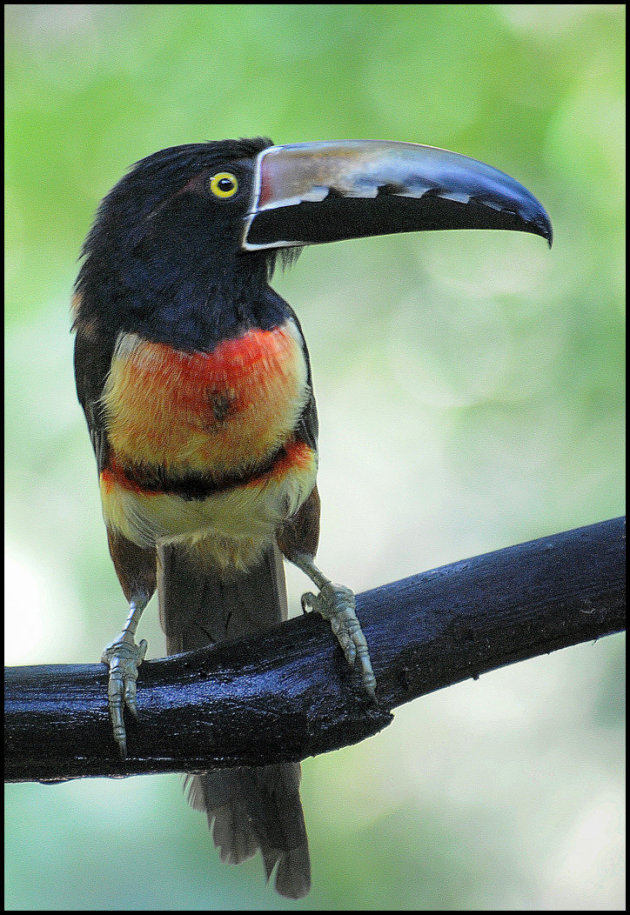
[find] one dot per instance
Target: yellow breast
(212, 413)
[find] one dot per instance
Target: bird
(195, 381)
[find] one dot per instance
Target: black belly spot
(221, 405)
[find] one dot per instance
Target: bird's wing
(92, 362)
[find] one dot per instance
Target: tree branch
(288, 693)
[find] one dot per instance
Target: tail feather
(226, 811)
(247, 808)
(250, 809)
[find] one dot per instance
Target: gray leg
(124, 658)
(337, 604)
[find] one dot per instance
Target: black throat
(178, 284)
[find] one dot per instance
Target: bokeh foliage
(471, 395)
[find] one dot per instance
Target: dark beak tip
(546, 229)
(536, 220)
(549, 235)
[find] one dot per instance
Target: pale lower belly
(235, 525)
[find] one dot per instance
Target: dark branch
(289, 694)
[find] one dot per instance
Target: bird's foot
(337, 604)
(123, 658)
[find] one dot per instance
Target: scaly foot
(337, 604)
(124, 658)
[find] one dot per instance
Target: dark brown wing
(92, 360)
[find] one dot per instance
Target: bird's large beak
(306, 193)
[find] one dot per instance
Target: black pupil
(225, 184)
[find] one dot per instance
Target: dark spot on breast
(221, 405)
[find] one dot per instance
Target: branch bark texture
(289, 694)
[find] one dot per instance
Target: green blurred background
(470, 388)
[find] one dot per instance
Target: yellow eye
(223, 184)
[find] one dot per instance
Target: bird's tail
(247, 808)
(258, 809)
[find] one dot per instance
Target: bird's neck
(190, 306)
(202, 321)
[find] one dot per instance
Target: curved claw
(337, 604)
(124, 658)
(308, 601)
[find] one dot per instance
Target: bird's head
(183, 201)
(213, 215)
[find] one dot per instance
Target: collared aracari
(196, 385)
